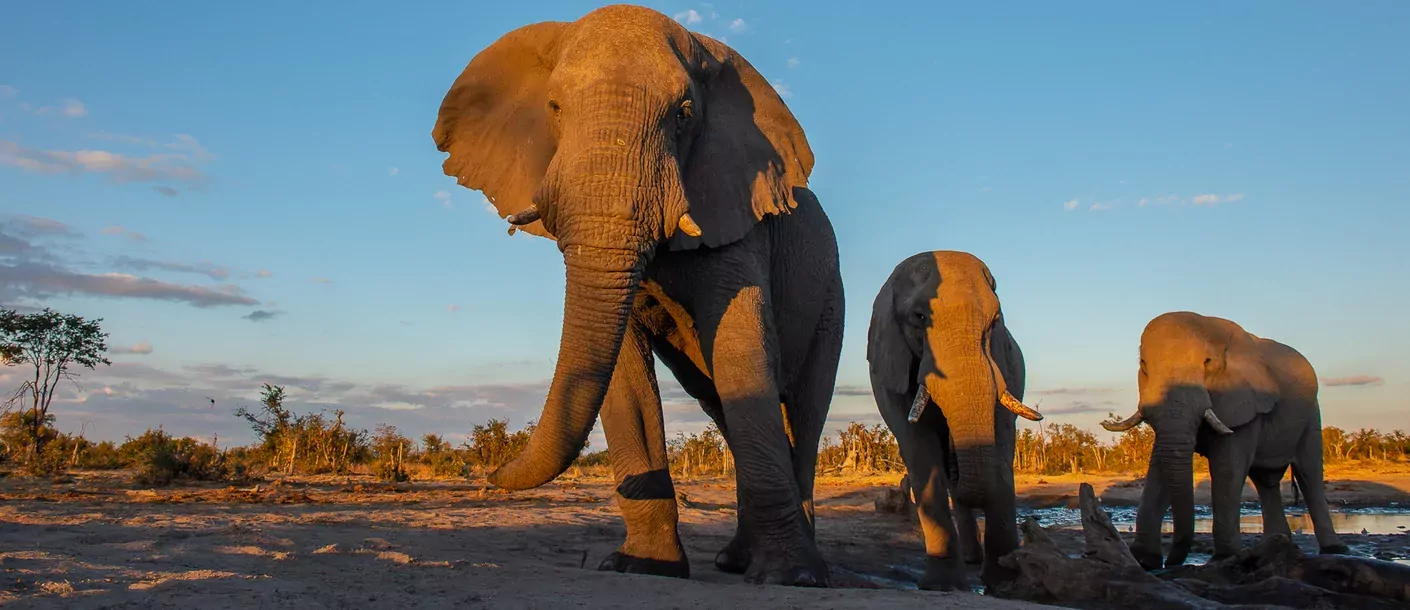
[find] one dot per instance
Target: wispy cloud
(792, 63)
(444, 198)
(452, 308)
(261, 315)
(689, 17)
(8, 92)
(205, 268)
(392, 171)
(120, 168)
(1099, 206)
(32, 226)
(162, 189)
(738, 26)
(1352, 380)
(1212, 199)
(38, 280)
(264, 273)
(120, 231)
(141, 348)
(1070, 205)
(1070, 391)
(784, 91)
(321, 280)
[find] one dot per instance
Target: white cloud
(393, 171)
(1070, 205)
(784, 91)
(1099, 207)
(142, 348)
(1142, 203)
(986, 189)
(444, 198)
(1213, 199)
(118, 167)
(689, 17)
(452, 308)
(74, 109)
(489, 207)
(792, 63)
(738, 26)
(265, 273)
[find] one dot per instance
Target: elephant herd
(674, 180)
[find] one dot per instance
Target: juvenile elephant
(937, 338)
(1248, 404)
(674, 180)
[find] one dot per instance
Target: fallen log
(1275, 574)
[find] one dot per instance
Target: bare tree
(52, 343)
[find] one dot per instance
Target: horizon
(250, 195)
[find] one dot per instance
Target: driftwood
(1275, 574)
(898, 501)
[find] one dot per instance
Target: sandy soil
(98, 542)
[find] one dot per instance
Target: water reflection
(1348, 521)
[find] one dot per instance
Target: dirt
(98, 542)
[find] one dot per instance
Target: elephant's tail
(1294, 485)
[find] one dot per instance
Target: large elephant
(674, 180)
(1248, 404)
(937, 337)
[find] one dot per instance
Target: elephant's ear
(888, 356)
(1239, 382)
(1009, 357)
(750, 155)
(494, 120)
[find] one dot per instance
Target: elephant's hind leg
(808, 400)
(1307, 471)
(631, 420)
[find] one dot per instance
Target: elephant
(938, 338)
(674, 181)
(1246, 403)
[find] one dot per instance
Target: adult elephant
(674, 180)
(1248, 404)
(937, 338)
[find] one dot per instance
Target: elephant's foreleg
(1229, 459)
(924, 451)
(743, 352)
(1155, 499)
(631, 420)
(1307, 470)
(1270, 498)
(967, 529)
(734, 558)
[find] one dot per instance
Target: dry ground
(98, 542)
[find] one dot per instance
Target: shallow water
(1387, 520)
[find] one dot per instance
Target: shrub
(160, 459)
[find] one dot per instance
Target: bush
(160, 459)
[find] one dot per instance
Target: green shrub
(160, 459)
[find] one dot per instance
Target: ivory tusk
(525, 216)
(1124, 425)
(688, 226)
(918, 406)
(1214, 422)
(1015, 405)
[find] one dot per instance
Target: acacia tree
(52, 343)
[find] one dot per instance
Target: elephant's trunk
(967, 395)
(1177, 468)
(601, 283)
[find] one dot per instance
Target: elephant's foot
(943, 574)
(628, 564)
(734, 558)
(1149, 560)
(1335, 549)
(974, 556)
(796, 565)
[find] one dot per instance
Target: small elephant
(674, 180)
(937, 338)
(1246, 403)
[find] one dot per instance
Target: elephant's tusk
(1214, 422)
(688, 226)
(1124, 425)
(1024, 411)
(525, 216)
(918, 406)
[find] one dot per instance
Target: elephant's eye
(687, 109)
(554, 108)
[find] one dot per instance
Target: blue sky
(1109, 161)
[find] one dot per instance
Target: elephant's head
(616, 135)
(937, 334)
(1198, 375)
